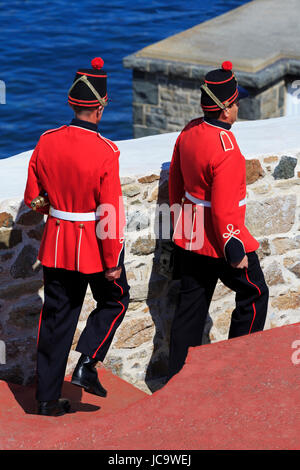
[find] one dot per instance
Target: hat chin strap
(213, 97)
(84, 79)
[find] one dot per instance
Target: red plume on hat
(227, 65)
(97, 63)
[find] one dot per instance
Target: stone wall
(139, 352)
(166, 94)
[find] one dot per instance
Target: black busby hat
(220, 89)
(89, 86)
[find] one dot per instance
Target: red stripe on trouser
(112, 325)
(253, 305)
(40, 321)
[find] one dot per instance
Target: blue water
(43, 43)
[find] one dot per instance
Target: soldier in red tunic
(75, 170)
(207, 185)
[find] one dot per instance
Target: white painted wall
(143, 156)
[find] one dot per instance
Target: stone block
(115, 363)
(250, 108)
(271, 159)
(134, 332)
(131, 190)
(156, 119)
(289, 261)
(25, 314)
(143, 246)
(137, 220)
(9, 238)
(177, 122)
(295, 269)
(143, 131)
(138, 114)
(145, 290)
(6, 220)
(271, 216)
(171, 109)
(286, 168)
(145, 92)
(166, 94)
(273, 274)
(289, 300)
(160, 193)
(13, 290)
(30, 218)
(222, 322)
(220, 291)
(126, 180)
(264, 248)
(283, 245)
(254, 171)
(282, 96)
(6, 256)
(24, 265)
(148, 179)
(37, 232)
(182, 96)
(178, 69)
(159, 67)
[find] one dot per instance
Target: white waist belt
(73, 216)
(202, 202)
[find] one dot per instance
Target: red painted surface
(238, 394)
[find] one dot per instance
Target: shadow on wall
(20, 290)
(164, 289)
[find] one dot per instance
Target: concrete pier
(261, 38)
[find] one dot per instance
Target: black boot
(54, 407)
(85, 375)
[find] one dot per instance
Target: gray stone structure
(261, 39)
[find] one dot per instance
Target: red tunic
(208, 179)
(79, 171)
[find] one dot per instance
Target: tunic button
(81, 225)
(57, 222)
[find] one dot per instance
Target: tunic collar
(84, 124)
(217, 123)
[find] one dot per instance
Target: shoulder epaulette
(111, 144)
(226, 141)
(54, 130)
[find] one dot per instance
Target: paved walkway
(237, 394)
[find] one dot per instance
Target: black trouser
(199, 276)
(64, 295)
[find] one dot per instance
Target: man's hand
(242, 264)
(113, 273)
